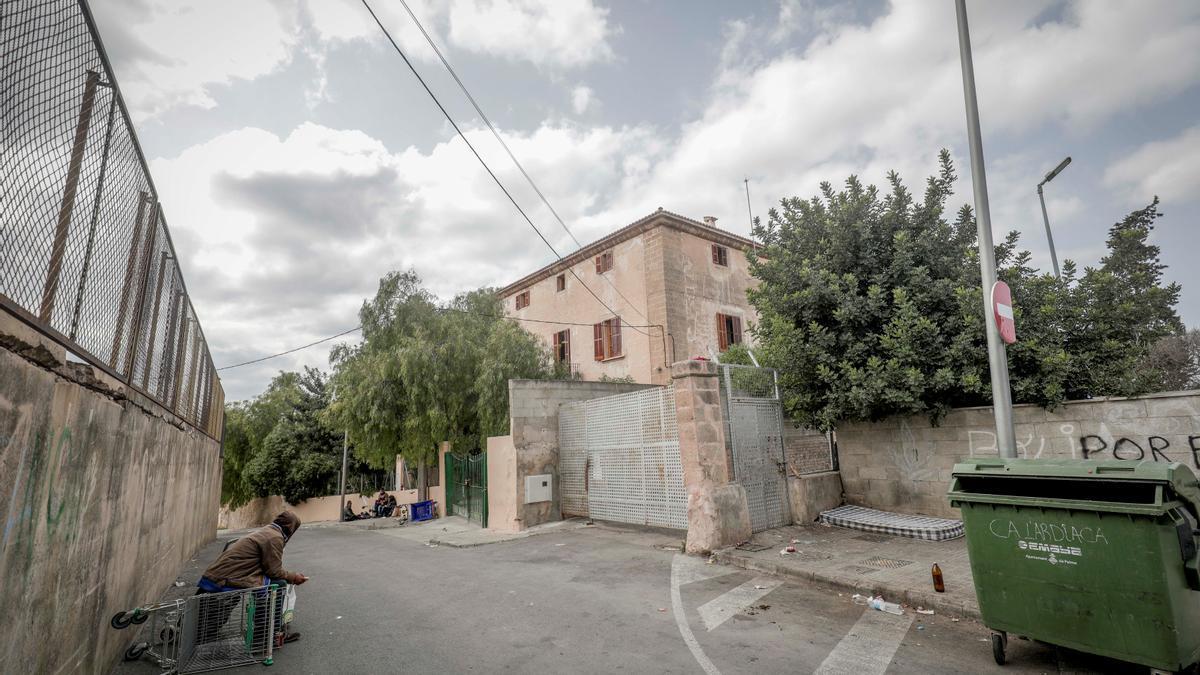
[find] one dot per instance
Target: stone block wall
(102, 496)
(533, 411)
(805, 451)
(904, 464)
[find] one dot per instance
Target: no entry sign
(1003, 310)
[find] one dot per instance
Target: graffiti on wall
(1101, 445)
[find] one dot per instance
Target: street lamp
(1049, 237)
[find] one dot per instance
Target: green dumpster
(1097, 556)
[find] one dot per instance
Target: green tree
(871, 305)
(426, 373)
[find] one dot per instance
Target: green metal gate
(466, 487)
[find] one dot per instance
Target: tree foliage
(870, 305)
(427, 373)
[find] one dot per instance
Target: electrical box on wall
(539, 488)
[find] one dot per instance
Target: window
(607, 336)
(562, 283)
(522, 299)
(720, 255)
(604, 262)
(729, 331)
(562, 346)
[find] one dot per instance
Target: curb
(894, 593)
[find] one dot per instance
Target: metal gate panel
(619, 459)
(572, 458)
(755, 438)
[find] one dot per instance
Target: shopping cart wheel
(166, 635)
(121, 620)
(135, 651)
(139, 617)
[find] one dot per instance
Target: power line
(503, 144)
(296, 349)
(487, 168)
(436, 309)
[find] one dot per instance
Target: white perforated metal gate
(619, 459)
(755, 438)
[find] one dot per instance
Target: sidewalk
(457, 532)
(858, 562)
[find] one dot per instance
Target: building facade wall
(626, 294)
(904, 464)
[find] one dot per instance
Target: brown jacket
(255, 555)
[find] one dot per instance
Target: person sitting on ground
(380, 503)
(390, 506)
(252, 561)
(348, 512)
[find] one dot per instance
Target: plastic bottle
(882, 605)
(939, 584)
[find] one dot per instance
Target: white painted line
(688, 569)
(682, 567)
(869, 647)
(720, 609)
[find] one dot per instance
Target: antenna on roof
(750, 211)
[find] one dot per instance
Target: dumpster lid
(1178, 476)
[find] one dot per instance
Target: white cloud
(1169, 168)
(582, 97)
(172, 55)
(559, 33)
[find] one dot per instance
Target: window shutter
(566, 338)
(722, 337)
(598, 334)
(616, 336)
(716, 253)
(736, 338)
(598, 268)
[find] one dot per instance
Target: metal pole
(345, 450)
(91, 240)
(1049, 236)
(63, 226)
(997, 360)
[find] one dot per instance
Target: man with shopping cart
(256, 560)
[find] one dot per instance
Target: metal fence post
(91, 240)
(63, 226)
(131, 261)
(162, 268)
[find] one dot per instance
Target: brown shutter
(598, 263)
(722, 336)
(716, 253)
(616, 336)
(736, 338)
(598, 335)
(567, 345)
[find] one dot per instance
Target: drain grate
(886, 563)
(877, 538)
(859, 569)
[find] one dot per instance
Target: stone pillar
(718, 514)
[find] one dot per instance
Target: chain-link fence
(85, 253)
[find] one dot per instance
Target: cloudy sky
(298, 159)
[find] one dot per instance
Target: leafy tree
(426, 373)
(1177, 359)
(871, 305)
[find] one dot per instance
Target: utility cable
(515, 161)
(436, 309)
(487, 168)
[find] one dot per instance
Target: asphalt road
(595, 600)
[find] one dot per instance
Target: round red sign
(1002, 308)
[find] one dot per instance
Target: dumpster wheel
(999, 642)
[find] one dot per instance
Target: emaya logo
(1052, 549)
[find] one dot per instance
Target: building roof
(659, 218)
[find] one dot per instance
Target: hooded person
(254, 560)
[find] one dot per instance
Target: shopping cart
(209, 631)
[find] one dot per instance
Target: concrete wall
(904, 464)
(813, 493)
(102, 496)
(805, 451)
(259, 512)
(533, 409)
(503, 512)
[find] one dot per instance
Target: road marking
(721, 608)
(869, 647)
(683, 567)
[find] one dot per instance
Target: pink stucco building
(679, 286)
